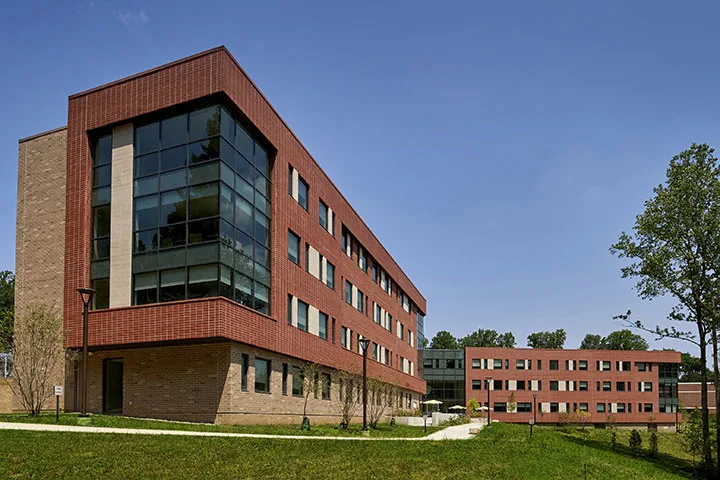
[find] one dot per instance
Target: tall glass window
(100, 221)
(202, 210)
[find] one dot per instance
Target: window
(293, 248)
(326, 385)
(583, 386)
(582, 365)
(333, 331)
(520, 385)
(477, 384)
(343, 335)
(554, 408)
(620, 407)
(201, 212)
(348, 292)
(497, 384)
(520, 364)
(284, 378)
(647, 408)
(524, 407)
(500, 407)
(645, 386)
(603, 365)
(262, 375)
(100, 221)
(323, 326)
(297, 382)
(600, 408)
(303, 193)
(539, 364)
(330, 275)
(323, 210)
(243, 377)
(302, 320)
(363, 262)
(497, 364)
(360, 301)
(553, 364)
(476, 363)
(299, 192)
(641, 366)
(374, 273)
(554, 385)
(583, 407)
(606, 386)
(619, 386)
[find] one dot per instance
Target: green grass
(383, 430)
(500, 452)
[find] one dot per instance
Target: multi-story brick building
(222, 256)
(690, 395)
(612, 386)
(523, 384)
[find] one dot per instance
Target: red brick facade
(591, 397)
(215, 72)
(690, 395)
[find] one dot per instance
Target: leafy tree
(346, 401)
(444, 339)
(487, 338)
(675, 249)
(624, 340)
(554, 339)
(311, 382)
(619, 340)
(592, 342)
(613, 440)
(635, 443)
(7, 310)
(512, 404)
(691, 369)
(692, 433)
(653, 450)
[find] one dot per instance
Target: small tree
(376, 402)
(309, 377)
(635, 443)
(692, 434)
(473, 408)
(582, 417)
(613, 440)
(512, 404)
(346, 401)
(653, 451)
(38, 350)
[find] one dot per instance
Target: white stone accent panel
(295, 184)
(313, 320)
(121, 215)
(313, 262)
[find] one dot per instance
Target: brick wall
(690, 395)
(202, 382)
(40, 233)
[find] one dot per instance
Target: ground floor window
(262, 375)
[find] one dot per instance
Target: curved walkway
(457, 432)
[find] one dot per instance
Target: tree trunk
(716, 382)
(707, 451)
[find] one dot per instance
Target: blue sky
(496, 148)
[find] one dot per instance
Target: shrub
(455, 421)
(653, 451)
(613, 440)
(635, 443)
(472, 408)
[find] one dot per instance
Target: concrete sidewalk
(458, 432)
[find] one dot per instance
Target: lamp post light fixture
(488, 380)
(364, 342)
(86, 294)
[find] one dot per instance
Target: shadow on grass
(662, 460)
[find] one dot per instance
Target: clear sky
(496, 148)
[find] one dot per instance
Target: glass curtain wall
(202, 211)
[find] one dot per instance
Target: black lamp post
(86, 295)
(488, 380)
(364, 342)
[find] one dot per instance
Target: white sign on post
(58, 390)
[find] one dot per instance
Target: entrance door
(112, 385)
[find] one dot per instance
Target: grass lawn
(383, 430)
(500, 452)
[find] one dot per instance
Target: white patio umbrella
(456, 407)
(433, 402)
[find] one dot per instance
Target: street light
(534, 408)
(86, 294)
(488, 380)
(364, 342)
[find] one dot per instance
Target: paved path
(458, 432)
